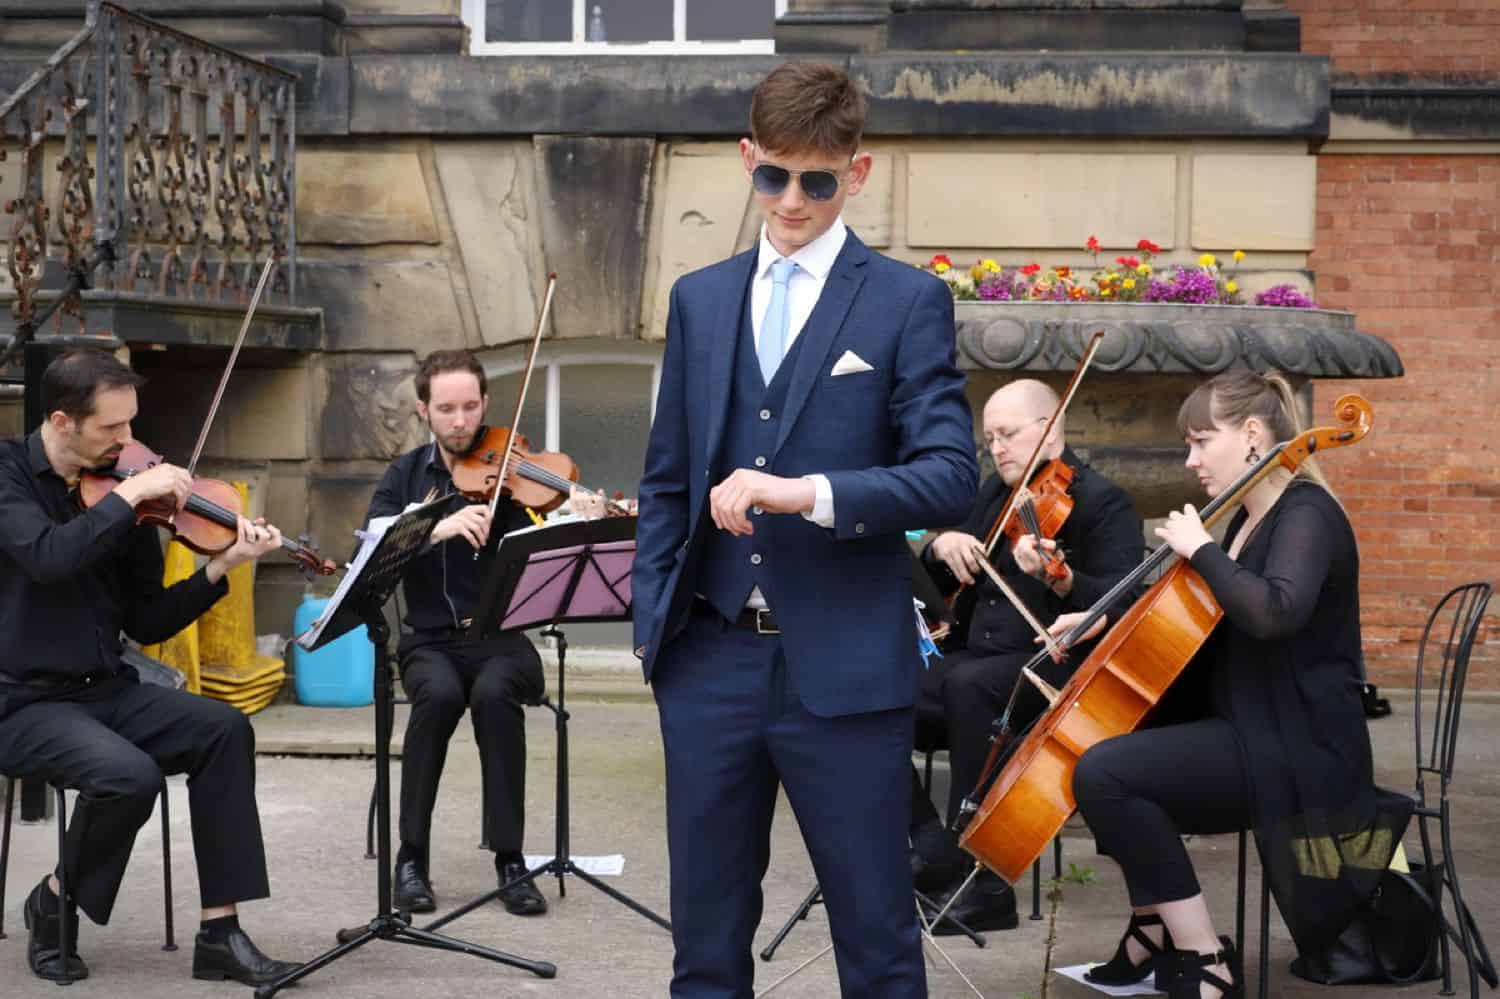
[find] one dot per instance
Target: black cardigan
(1284, 670)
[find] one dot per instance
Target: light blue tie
(773, 327)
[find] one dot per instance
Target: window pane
(502, 392)
(629, 20)
(606, 415)
(528, 21)
(729, 20)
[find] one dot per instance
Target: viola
(208, 522)
(541, 480)
(1017, 809)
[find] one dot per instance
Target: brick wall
(1411, 244)
(1403, 36)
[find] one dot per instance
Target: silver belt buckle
(761, 628)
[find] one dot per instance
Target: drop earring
(1253, 456)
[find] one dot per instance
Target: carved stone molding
(1170, 339)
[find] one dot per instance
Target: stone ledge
(156, 319)
(1170, 339)
(1245, 95)
(1416, 108)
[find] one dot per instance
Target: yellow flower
(1207, 260)
(941, 267)
(1129, 283)
(1105, 293)
(990, 265)
(1239, 255)
(1231, 287)
(1144, 270)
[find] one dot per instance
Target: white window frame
(548, 370)
(474, 16)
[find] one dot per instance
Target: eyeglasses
(771, 180)
(1006, 436)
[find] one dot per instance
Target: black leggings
(1140, 792)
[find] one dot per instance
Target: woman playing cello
(1279, 743)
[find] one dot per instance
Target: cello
(1024, 804)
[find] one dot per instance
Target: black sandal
(1182, 971)
(1120, 970)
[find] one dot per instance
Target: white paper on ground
(611, 865)
(1076, 974)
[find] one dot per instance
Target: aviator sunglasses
(819, 185)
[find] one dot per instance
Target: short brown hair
(72, 381)
(807, 106)
(443, 361)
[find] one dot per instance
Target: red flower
(1031, 269)
(1130, 262)
(1063, 272)
(1146, 246)
(1092, 245)
(941, 258)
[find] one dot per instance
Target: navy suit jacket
(896, 443)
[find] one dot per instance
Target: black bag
(1393, 940)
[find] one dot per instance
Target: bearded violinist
(968, 688)
(71, 713)
(442, 671)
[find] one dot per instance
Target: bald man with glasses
(967, 689)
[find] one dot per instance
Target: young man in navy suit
(809, 413)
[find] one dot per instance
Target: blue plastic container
(339, 675)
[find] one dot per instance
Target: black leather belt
(762, 622)
(60, 681)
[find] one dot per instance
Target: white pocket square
(850, 364)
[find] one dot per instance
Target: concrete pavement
(313, 797)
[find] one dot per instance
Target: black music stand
(573, 571)
(361, 599)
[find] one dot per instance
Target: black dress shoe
(238, 958)
(986, 904)
(936, 860)
(44, 942)
(522, 899)
(411, 889)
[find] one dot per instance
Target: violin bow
(515, 420)
(213, 409)
(1021, 491)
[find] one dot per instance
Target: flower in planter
(1285, 296)
(1128, 279)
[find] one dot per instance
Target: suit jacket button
(992, 602)
(755, 559)
(760, 461)
(986, 636)
(859, 528)
(765, 414)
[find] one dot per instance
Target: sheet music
(369, 538)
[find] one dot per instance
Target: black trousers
(962, 695)
(494, 679)
(112, 743)
(1140, 792)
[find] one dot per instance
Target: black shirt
(1103, 541)
(71, 580)
(442, 585)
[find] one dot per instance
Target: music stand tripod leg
(388, 924)
(813, 898)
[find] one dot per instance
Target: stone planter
(1124, 420)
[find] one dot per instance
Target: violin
(541, 480)
(1024, 796)
(1042, 511)
(208, 522)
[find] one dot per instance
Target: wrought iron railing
(195, 181)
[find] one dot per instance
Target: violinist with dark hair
(71, 713)
(442, 671)
(963, 692)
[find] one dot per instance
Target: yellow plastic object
(226, 632)
(181, 651)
